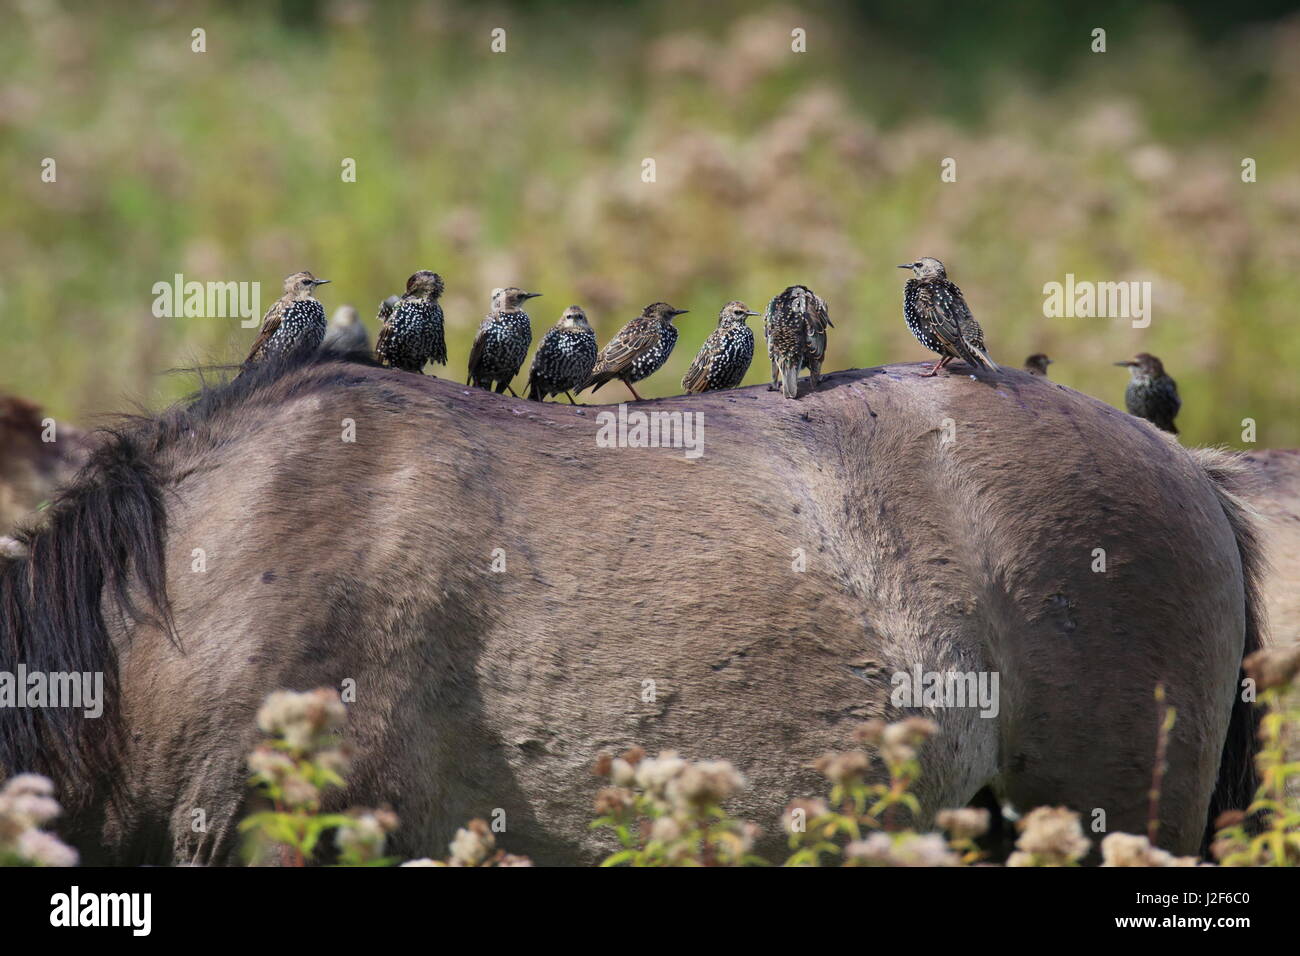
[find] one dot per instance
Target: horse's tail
(1238, 779)
(100, 548)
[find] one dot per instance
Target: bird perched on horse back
(294, 322)
(726, 354)
(502, 341)
(565, 357)
(412, 332)
(1037, 364)
(938, 316)
(345, 333)
(638, 350)
(795, 328)
(1151, 393)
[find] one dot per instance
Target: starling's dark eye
(916, 265)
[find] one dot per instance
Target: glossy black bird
(502, 341)
(296, 321)
(1037, 364)
(938, 316)
(565, 357)
(345, 333)
(795, 327)
(412, 331)
(638, 350)
(1151, 394)
(726, 354)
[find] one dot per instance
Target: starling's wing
(381, 341)
(947, 310)
(270, 322)
(476, 353)
(817, 319)
(697, 376)
(623, 349)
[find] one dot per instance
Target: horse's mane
(100, 550)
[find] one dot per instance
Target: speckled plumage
(726, 354)
(1151, 393)
(565, 357)
(502, 341)
(296, 321)
(638, 350)
(937, 314)
(795, 327)
(412, 331)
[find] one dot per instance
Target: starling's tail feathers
(790, 380)
(978, 357)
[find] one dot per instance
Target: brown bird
(638, 350)
(502, 341)
(726, 354)
(795, 328)
(565, 357)
(938, 316)
(1037, 364)
(1151, 394)
(346, 334)
(296, 321)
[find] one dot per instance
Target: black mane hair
(98, 557)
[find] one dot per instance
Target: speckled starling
(638, 350)
(345, 333)
(387, 306)
(296, 321)
(795, 328)
(502, 341)
(412, 332)
(1151, 394)
(565, 358)
(1037, 364)
(940, 319)
(724, 358)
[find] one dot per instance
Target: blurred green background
(773, 167)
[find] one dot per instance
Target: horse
(511, 588)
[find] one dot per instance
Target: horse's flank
(646, 597)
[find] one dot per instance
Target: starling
(386, 307)
(565, 358)
(295, 321)
(1151, 394)
(795, 328)
(1037, 364)
(939, 318)
(502, 341)
(725, 356)
(638, 350)
(412, 328)
(346, 334)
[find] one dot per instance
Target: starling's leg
(633, 391)
(511, 390)
(775, 378)
(570, 398)
(937, 365)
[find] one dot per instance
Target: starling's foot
(511, 391)
(635, 396)
(570, 398)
